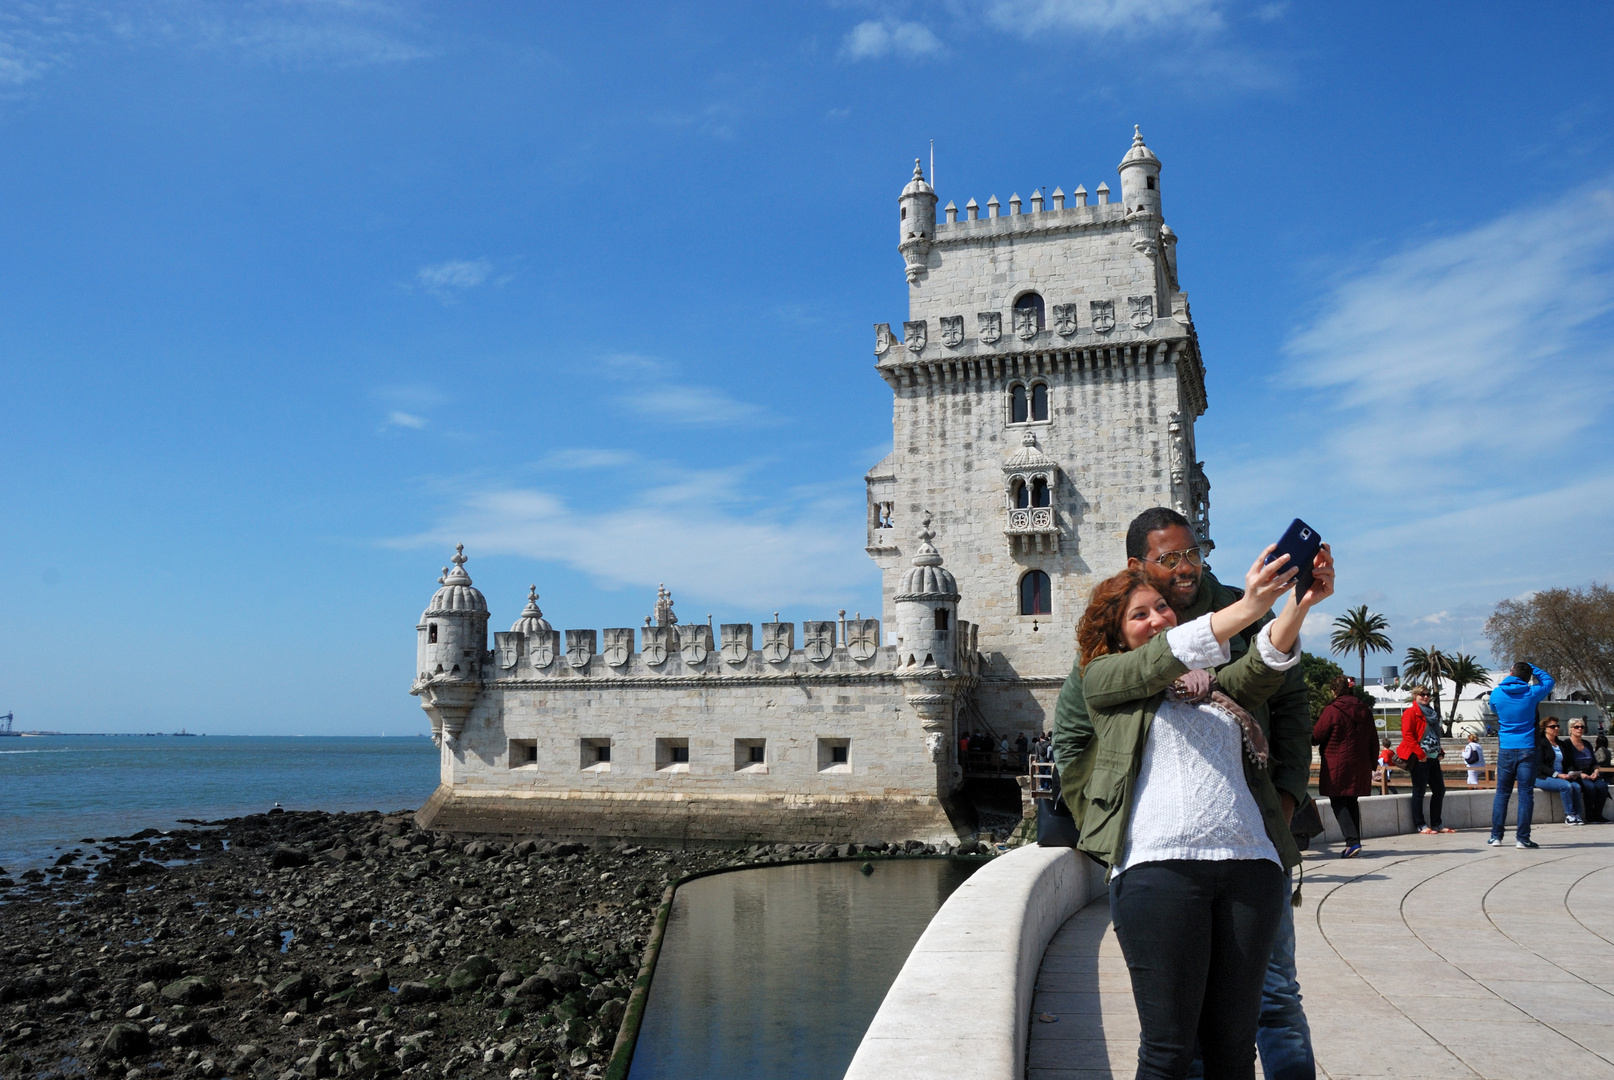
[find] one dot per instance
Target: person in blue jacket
(1515, 699)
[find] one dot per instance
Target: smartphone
(1301, 543)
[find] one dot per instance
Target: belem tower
(1044, 391)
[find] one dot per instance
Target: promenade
(1429, 956)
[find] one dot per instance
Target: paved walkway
(1430, 956)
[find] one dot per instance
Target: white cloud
(447, 279)
(1122, 18)
(876, 38)
(705, 532)
(660, 392)
(403, 419)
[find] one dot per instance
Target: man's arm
(1544, 691)
(1289, 714)
(1073, 728)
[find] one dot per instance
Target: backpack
(1471, 754)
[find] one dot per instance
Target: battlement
(1056, 217)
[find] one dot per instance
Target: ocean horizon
(57, 791)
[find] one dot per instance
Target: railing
(1031, 520)
(994, 763)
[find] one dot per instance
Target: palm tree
(1427, 666)
(1359, 632)
(1463, 670)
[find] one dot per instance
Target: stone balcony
(1031, 529)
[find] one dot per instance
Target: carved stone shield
(543, 648)
(1025, 323)
(695, 643)
(991, 326)
(952, 330)
(1103, 316)
(778, 641)
(913, 335)
(507, 647)
(579, 647)
(1065, 319)
(1142, 310)
(863, 638)
(818, 640)
(618, 645)
(736, 642)
(655, 645)
(883, 339)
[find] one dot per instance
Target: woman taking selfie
(1180, 805)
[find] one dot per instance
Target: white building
(1045, 390)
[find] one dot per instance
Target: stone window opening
(672, 755)
(1028, 404)
(431, 634)
(523, 752)
(835, 755)
(1151, 187)
(1039, 402)
(1018, 411)
(751, 755)
(1039, 491)
(1034, 302)
(941, 618)
(595, 755)
(1019, 495)
(1036, 594)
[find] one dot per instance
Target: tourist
(1346, 738)
(1581, 757)
(1420, 749)
(1553, 771)
(1180, 803)
(1021, 745)
(1604, 760)
(1160, 543)
(1514, 701)
(1474, 758)
(1386, 755)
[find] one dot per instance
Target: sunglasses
(1169, 560)
(1549, 727)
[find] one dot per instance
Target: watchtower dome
(452, 637)
(927, 609)
(1140, 178)
(916, 222)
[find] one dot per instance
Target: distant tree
(1569, 632)
(1427, 666)
(1360, 632)
(1464, 671)
(1319, 672)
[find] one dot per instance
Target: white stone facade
(1045, 390)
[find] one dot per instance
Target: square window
(834, 755)
(672, 755)
(595, 755)
(751, 755)
(523, 752)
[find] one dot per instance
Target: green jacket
(1282, 709)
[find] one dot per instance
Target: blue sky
(295, 295)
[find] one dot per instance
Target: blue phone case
(1301, 543)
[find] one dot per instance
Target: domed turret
(453, 632)
(1140, 178)
(916, 223)
(927, 609)
(532, 617)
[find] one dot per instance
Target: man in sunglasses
(1160, 542)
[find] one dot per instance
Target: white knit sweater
(1192, 800)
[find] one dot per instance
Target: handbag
(1306, 824)
(1056, 825)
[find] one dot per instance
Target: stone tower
(451, 644)
(1045, 389)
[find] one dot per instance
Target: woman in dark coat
(1349, 743)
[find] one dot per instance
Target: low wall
(961, 1003)
(1391, 815)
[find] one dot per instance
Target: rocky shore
(304, 945)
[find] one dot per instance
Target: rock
(611, 1013)
(67, 999)
(562, 979)
(192, 990)
(160, 971)
(373, 981)
(535, 986)
(285, 855)
(413, 993)
(190, 1035)
(470, 973)
(124, 1041)
(294, 987)
(576, 1033)
(476, 849)
(824, 851)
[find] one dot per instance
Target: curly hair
(1099, 632)
(1340, 685)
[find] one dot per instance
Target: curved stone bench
(961, 1004)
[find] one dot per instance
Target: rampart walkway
(1430, 956)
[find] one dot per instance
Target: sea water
(56, 790)
(775, 973)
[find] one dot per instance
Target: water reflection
(776, 972)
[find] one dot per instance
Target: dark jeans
(1348, 813)
(1197, 936)
(1427, 774)
(1514, 765)
(1595, 793)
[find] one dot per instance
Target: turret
(916, 225)
(927, 610)
(450, 645)
(1140, 178)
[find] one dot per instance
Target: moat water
(776, 972)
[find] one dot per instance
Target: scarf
(1198, 687)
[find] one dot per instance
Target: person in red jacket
(1420, 749)
(1347, 739)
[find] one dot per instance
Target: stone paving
(1430, 956)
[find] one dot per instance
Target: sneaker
(1526, 844)
(1574, 821)
(1351, 852)
(1495, 841)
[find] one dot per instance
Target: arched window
(1019, 496)
(1039, 492)
(1034, 301)
(1035, 594)
(1018, 405)
(1039, 401)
